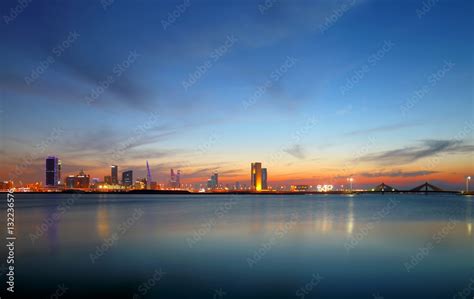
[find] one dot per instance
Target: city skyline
(315, 92)
(257, 181)
(237, 149)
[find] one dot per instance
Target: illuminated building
(215, 179)
(140, 184)
(53, 170)
(213, 182)
(35, 187)
(80, 181)
(95, 183)
(148, 176)
(127, 178)
(108, 179)
(114, 174)
(324, 188)
(178, 178)
(59, 172)
(6, 185)
(175, 179)
(299, 188)
(264, 179)
(256, 176)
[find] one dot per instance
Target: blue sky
(207, 125)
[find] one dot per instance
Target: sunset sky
(317, 91)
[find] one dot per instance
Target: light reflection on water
(102, 221)
(287, 256)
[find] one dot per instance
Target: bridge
(384, 188)
(423, 188)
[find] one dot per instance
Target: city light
(324, 188)
(258, 183)
(350, 181)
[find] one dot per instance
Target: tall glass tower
(127, 178)
(256, 176)
(52, 171)
(264, 179)
(114, 174)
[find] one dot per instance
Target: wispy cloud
(345, 110)
(296, 151)
(385, 128)
(396, 173)
(206, 172)
(425, 149)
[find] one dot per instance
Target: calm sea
(181, 246)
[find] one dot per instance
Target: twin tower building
(258, 177)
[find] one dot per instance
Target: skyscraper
(175, 179)
(178, 178)
(256, 176)
(52, 171)
(148, 176)
(59, 172)
(114, 174)
(127, 178)
(264, 179)
(81, 181)
(213, 182)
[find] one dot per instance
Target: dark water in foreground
(180, 246)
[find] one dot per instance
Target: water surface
(229, 246)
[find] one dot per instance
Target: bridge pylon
(426, 187)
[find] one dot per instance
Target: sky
(318, 91)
